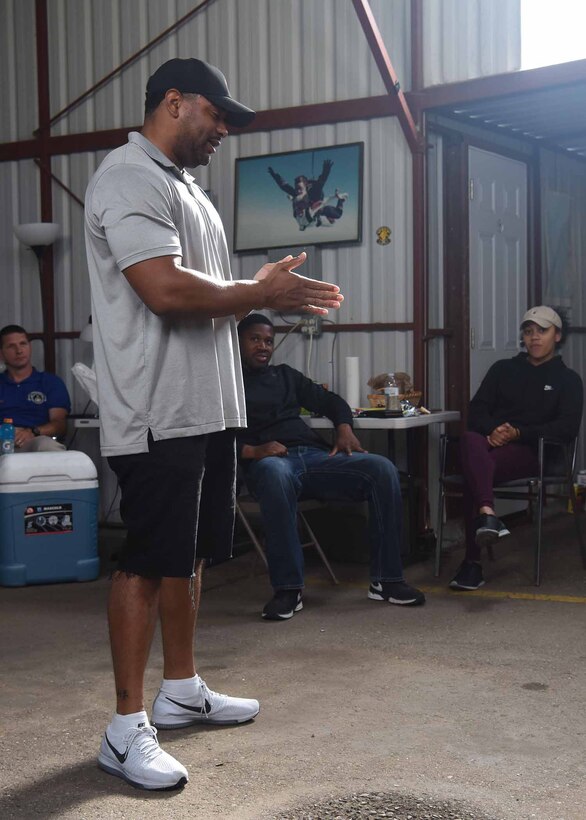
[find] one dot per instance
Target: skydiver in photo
(308, 199)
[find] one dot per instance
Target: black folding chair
(247, 506)
(555, 479)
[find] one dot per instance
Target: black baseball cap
(193, 76)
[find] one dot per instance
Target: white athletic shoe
(141, 761)
(204, 706)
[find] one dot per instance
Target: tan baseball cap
(543, 316)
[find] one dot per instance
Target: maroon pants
(484, 466)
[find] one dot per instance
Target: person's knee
(379, 471)
(42, 444)
(470, 439)
(50, 445)
(269, 474)
(381, 467)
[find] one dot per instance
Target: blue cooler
(48, 518)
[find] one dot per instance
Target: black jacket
(540, 400)
(274, 398)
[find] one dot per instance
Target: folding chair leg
(539, 529)
(317, 545)
(440, 532)
(577, 514)
(252, 535)
(580, 538)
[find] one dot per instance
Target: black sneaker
(469, 576)
(489, 529)
(283, 605)
(395, 592)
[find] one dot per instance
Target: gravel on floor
(383, 805)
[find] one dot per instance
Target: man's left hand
(346, 441)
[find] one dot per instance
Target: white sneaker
(141, 761)
(204, 706)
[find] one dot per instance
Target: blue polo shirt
(28, 402)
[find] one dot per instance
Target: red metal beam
(300, 116)
(388, 74)
(416, 45)
(498, 85)
(419, 278)
(47, 170)
(128, 61)
(403, 327)
(46, 270)
(273, 120)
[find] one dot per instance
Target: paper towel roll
(353, 381)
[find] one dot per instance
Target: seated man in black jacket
(520, 399)
(284, 460)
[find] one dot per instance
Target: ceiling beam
(498, 85)
(387, 72)
(301, 116)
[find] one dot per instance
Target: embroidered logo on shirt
(547, 387)
(36, 397)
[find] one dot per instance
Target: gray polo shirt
(173, 376)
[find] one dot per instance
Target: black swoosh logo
(119, 757)
(205, 709)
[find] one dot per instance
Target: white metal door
(498, 258)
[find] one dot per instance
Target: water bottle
(392, 403)
(7, 437)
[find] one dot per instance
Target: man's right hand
(287, 291)
(259, 451)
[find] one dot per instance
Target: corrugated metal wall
(464, 39)
(563, 217)
(276, 53)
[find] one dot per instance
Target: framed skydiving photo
(297, 198)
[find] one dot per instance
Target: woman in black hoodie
(520, 399)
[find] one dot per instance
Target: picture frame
(292, 198)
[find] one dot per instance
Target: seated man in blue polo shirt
(37, 402)
(283, 460)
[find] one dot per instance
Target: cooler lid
(36, 468)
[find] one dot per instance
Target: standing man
(171, 397)
(37, 402)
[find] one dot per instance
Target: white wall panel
(375, 279)
(378, 352)
(18, 76)
(275, 54)
(463, 39)
(563, 219)
(19, 272)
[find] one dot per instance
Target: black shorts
(177, 502)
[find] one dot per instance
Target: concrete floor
(477, 698)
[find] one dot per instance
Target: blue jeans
(308, 472)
